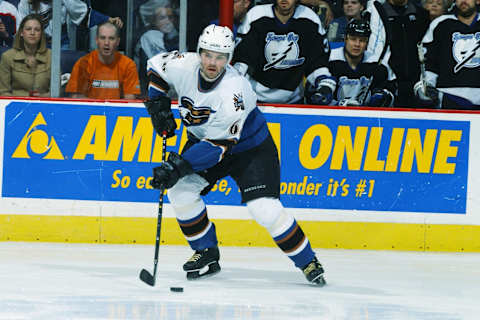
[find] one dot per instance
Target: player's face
(285, 7)
(466, 8)
(32, 32)
(212, 63)
(107, 41)
(355, 46)
(435, 8)
(240, 8)
(352, 8)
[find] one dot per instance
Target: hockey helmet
(358, 27)
(218, 39)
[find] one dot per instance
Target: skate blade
(205, 272)
(319, 281)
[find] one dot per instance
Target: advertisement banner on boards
(106, 153)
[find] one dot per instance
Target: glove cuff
(418, 87)
(328, 82)
(182, 166)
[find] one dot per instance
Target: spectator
(240, 8)
(117, 9)
(352, 9)
(452, 60)
(104, 73)
(326, 10)
(361, 79)
(25, 68)
(9, 23)
(280, 44)
(435, 8)
(406, 24)
(161, 19)
(74, 12)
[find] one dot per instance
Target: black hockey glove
(161, 115)
(428, 95)
(380, 98)
(322, 96)
(170, 171)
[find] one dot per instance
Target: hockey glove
(380, 98)
(161, 115)
(170, 171)
(323, 96)
(427, 95)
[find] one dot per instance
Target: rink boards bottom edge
(233, 232)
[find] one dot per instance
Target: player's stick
(146, 276)
(421, 59)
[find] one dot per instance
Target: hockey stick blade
(146, 277)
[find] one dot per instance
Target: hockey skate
(314, 273)
(203, 263)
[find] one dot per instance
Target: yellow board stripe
(340, 235)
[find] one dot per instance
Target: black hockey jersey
(452, 57)
(279, 55)
(355, 85)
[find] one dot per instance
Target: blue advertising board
(86, 152)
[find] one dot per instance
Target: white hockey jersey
(223, 119)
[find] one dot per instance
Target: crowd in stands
(380, 53)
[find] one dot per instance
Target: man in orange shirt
(104, 73)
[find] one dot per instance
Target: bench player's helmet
(358, 27)
(218, 39)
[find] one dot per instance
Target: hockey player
(452, 60)
(361, 80)
(280, 44)
(227, 135)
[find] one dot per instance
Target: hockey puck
(176, 289)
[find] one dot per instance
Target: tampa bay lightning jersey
(452, 56)
(278, 56)
(355, 85)
(220, 120)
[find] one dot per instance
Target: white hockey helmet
(218, 39)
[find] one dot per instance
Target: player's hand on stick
(323, 96)
(169, 172)
(161, 115)
(380, 98)
(427, 94)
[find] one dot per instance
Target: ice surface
(76, 281)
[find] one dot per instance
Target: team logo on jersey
(466, 50)
(353, 90)
(193, 115)
(238, 102)
(282, 51)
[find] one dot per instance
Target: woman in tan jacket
(25, 69)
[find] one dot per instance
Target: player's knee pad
(269, 212)
(185, 197)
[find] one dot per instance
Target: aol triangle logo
(37, 141)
